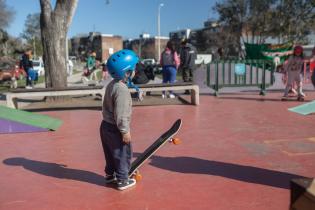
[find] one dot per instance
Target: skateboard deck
(293, 98)
(167, 136)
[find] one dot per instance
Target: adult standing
(187, 60)
(27, 64)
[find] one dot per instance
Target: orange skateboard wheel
(137, 176)
(176, 141)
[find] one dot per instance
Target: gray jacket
(117, 105)
(188, 55)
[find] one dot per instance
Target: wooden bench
(13, 95)
(194, 89)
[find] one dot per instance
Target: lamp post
(159, 24)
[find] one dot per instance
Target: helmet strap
(132, 85)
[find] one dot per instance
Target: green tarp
(29, 118)
(268, 51)
(304, 109)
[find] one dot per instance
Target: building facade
(146, 46)
(103, 44)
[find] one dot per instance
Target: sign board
(110, 51)
(240, 69)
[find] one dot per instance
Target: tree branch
(45, 9)
(67, 9)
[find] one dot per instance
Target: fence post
(230, 71)
(208, 74)
(263, 80)
(251, 72)
(216, 87)
(223, 72)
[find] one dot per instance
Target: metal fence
(239, 73)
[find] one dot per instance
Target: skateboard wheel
(137, 176)
(176, 141)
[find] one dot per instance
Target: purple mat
(8, 126)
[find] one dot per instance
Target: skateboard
(167, 136)
(298, 98)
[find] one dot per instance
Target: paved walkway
(239, 152)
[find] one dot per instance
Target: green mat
(304, 109)
(29, 118)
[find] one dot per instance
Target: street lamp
(159, 39)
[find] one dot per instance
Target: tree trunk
(54, 27)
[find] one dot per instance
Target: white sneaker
(301, 94)
(123, 185)
(172, 95)
(28, 87)
(163, 96)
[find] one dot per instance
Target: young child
(115, 127)
(293, 68)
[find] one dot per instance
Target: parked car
(38, 66)
(9, 70)
(150, 62)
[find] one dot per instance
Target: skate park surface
(239, 151)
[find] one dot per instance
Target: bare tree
(6, 14)
(54, 27)
(293, 20)
(32, 33)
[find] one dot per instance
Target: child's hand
(126, 138)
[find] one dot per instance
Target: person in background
(69, 67)
(312, 60)
(312, 66)
(187, 61)
(293, 69)
(104, 71)
(91, 62)
(170, 63)
(27, 64)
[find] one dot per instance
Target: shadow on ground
(189, 165)
(250, 174)
(56, 170)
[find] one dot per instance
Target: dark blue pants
(117, 153)
(28, 79)
(169, 75)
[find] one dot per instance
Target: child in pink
(293, 68)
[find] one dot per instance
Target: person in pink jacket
(170, 63)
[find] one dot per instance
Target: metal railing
(239, 73)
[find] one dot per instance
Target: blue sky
(127, 18)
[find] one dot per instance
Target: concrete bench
(13, 95)
(194, 89)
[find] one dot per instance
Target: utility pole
(34, 47)
(159, 32)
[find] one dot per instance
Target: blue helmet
(120, 62)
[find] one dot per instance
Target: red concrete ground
(239, 152)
